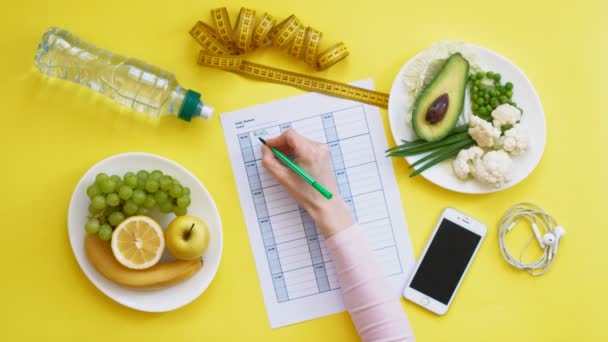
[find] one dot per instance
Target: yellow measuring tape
(222, 44)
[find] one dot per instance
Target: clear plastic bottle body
(128, 81)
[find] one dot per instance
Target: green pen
(300, 171)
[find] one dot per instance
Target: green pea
(474, 89)
(489, 108)
(486, 96)
(494, 102)
(503, 99)
(497, 77)
(475, 106)
(479, 75)
(509, 94)
(480, 101)
(477, 82)
(483, 111)
(509, 85)
(490, 74)
(493, 93)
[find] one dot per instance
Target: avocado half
(440, 103)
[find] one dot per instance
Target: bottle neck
(187, 104)
(177, 100)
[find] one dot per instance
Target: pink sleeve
(371, 303)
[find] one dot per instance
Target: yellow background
(52, 132)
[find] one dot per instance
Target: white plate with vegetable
(200, 204)
(505, 84)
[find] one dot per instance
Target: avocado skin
(451, 80)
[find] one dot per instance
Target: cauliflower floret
(504, 115)
(484, 134)
(463, 162)
(515, 141)
(493, 168)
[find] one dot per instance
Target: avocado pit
(437, 109)
(439, 105)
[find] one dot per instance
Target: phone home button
(425, 301)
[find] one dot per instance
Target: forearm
(331, 216)
(371, 303)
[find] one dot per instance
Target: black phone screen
(445, 261)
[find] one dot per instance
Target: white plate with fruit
(490, 81)
(128, 241)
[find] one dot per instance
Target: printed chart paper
(296, 272)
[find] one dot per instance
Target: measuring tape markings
(332, 56)
(305, 82)
(223, 26)
(311, 43)
(243, 29)
(287, 32)
(262, 30)
(205, 35)
(295, 50)
(222, 44)
(249, 34)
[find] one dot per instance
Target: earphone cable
(538, 218)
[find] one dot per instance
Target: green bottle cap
(190, 106)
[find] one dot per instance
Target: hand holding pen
(309, 179)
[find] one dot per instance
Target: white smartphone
(444, 261)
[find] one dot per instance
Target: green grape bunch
(114, 198)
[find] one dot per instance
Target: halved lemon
(138, 242)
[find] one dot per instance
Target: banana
(158, 276)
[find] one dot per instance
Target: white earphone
(552, 238)
(549, 241)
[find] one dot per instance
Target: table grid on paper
(295, 249)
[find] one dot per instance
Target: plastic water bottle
(128, 81)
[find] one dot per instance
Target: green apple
(187, 237)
